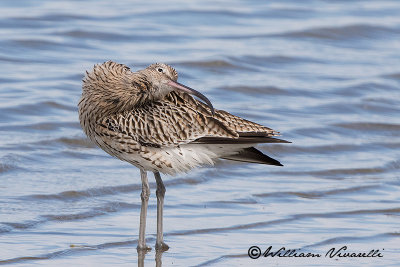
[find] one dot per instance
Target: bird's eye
(160, 70)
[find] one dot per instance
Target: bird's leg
(160, 245)
(143, 211)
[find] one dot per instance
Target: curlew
(150, 120)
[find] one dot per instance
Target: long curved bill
(191, 91)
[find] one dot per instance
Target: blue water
(326, 74)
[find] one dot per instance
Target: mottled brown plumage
(149, 120)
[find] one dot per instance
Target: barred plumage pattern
(120, 111)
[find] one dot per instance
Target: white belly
(172, 160)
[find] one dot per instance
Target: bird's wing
(180, 119)
(170, 122)
(247, 131)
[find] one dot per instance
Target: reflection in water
(142, 256)
(159, 254)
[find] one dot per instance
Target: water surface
(325, 74)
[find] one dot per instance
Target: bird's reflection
(142, 255)
(158, 257)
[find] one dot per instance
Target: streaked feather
(170, 135)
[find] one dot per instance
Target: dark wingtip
(274, 162)
(253, 155)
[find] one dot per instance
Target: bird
(150, 120)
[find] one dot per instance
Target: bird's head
(116, 85)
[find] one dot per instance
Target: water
(326, 74)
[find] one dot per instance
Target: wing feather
(180, 119)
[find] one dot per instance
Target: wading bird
(150, 120)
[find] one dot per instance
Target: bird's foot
(143, 248)
(161, 246)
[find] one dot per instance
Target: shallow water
(325, 74)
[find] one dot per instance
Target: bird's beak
(191, 91)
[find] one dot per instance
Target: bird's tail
(253, 155)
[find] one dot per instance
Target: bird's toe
(161, 246)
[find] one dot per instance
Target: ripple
(93, 192)
(339, 172)
(349, 239)
(370, 126)
(9, 163)
(53, 17)
(6, 167)
(20, 225)
(365, 88)
(98, 211)
(291, 218)
(38, 108)
(44, 126)
(395, 76)
(276, 60)
(108, 190)
(106, 208)
(319, 194)
(347, 32)
(17, 59)
(74, 249)
(212, 64)
(72, 142)
(95, 35)
(330, 149)
(42, 44)
(249, 90)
